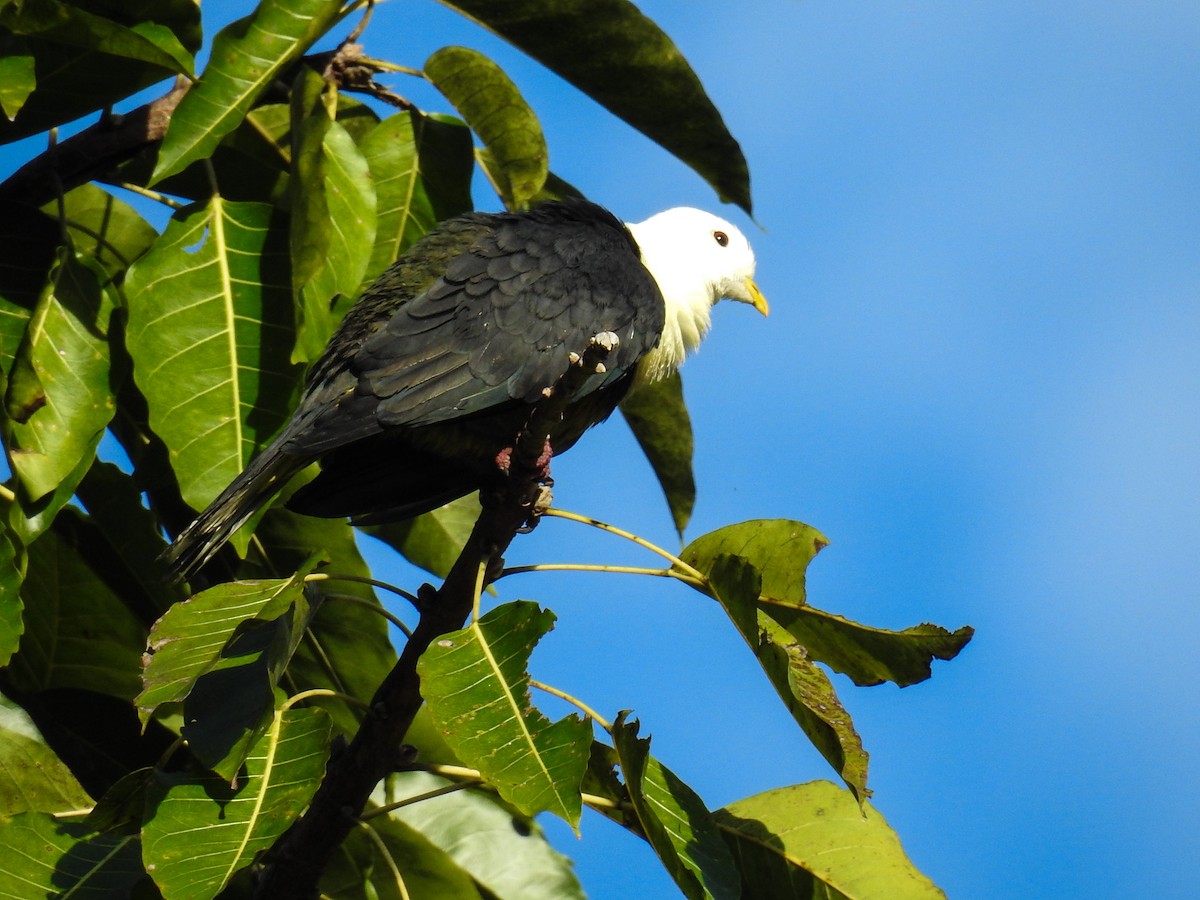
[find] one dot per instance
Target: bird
(432, 373)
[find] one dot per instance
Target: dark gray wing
(517, 295)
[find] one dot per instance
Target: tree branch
(294, 865)
(93, 152)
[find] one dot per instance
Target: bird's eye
(721, 238)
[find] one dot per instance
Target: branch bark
(93, 152)
(293, 867)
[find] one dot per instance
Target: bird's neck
(688, 318)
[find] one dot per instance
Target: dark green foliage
(155, 747)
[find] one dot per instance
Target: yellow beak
(757, 300)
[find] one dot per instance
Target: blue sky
(979, 233)
(979, 229)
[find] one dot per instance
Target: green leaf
(385, 858)
(17, 74)
(59, 392)
(130, 539)
(675, 820)
(780, 549)
(475, 683)
(434, 539)
(67, 24)
(816, 840)
(618, 57)
(189, 640)
(102, 228)
(28, 249)
(659, 420)
(804, 688)
(495, 110)
(246, 57)
(421, 167)
(333, 215)
(504, 851)
(346, 647)
(870, 655)
(52, 858)
(78, 633)
(210, 332)
(12, 573)
(202, 831)
(32, 777)
(90, 54)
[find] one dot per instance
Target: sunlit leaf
(346, 647)
(203, 831)
(675, 820)
(660, 422)
(48, 857)
(870, 655)
(817, 840)
(103, 228)
(780, 549)
(210, 332)
(421, 166)
(32, 777)
(60, 396)
(802, 685)
(504, 851)
(333, 215)
(246, 57)
(477, 688)
(78, 633)
(434, 539)
(188, 641)
(618, 57)
(17, 76)
(494, 108)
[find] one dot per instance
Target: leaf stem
(382, 849)
(409, 801)
(593, 567)
(150, 194)
(375, 608)
(362, 579)
(574, 701)
(675, 561)
(322, 692)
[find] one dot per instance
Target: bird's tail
(265, 475)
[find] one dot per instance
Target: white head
(697, 259)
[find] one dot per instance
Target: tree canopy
(273, 729)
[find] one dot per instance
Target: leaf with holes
(211, 329)
(477, 688)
